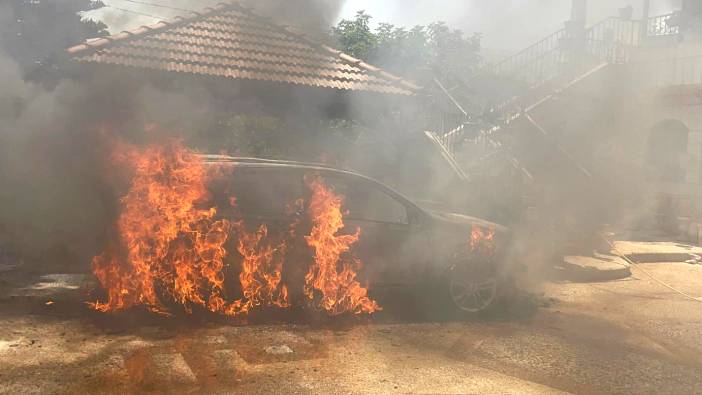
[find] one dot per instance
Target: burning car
(231, 235)
(393, 241)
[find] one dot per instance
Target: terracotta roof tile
(231, 42)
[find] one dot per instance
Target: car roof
(250, 160)
(275, 163)
(278, 164)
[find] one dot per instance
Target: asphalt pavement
(620, 337)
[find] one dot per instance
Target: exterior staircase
(508, 132)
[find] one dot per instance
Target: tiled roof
(232, 42)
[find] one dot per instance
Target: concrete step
(651, 252)
(596, 268)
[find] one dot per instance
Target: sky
(506, 25)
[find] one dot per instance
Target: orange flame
(166, 238)
(335, 291)
(482, 240)
(171, 246)
(261, 271)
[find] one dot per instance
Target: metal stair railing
(605, 39)
(449, 141)
(446, 145)
(549, 57)
(448, 156)
(612, 39)
(535, 63)
(609, 40)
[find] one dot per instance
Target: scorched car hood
(463, 221)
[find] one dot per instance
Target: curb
(598, 268)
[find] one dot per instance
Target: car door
(268, 196)
(392, 246)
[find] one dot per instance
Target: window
(265, 192)
(366, 202)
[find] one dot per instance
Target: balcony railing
(662, 26)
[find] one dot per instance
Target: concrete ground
(659, 251)
(629, 336)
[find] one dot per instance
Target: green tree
(420, 53)
(356, 37)
(34, 32)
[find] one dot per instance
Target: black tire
(437, 302)
(470, 288)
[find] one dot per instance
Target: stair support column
(644, 20)
(577, 32)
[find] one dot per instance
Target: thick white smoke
(505, 24)
(122, 15)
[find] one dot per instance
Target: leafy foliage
(356, 37)
(419, 53)
(270, 136)
(33, 32)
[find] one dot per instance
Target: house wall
(680, 201)
(607, 121)
(667, 74)
(690, 114)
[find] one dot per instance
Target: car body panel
(395, 251)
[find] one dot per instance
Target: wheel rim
(472, 294)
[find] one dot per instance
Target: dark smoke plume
(56, 196)
(313, 16)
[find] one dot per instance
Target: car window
(365, 201)
(265, 192)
